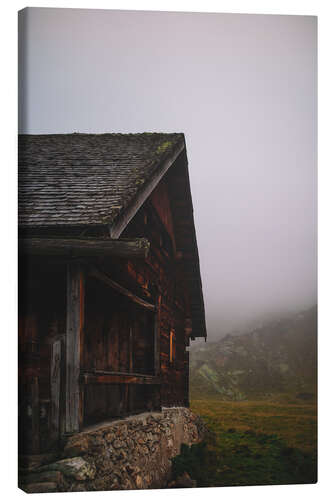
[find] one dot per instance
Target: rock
(97, 444)
(117, 443)
(126, 484)
(130, 443)
(147, 479)
(133, 453)
(131, 469)
(183, 481)
(76, 468)
(53, 476)
(139, 482)
(121, 455)
(40, 488)
(76, 447)
(109, 437)
(121, 431)
(110, 451)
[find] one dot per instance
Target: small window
(172, 353)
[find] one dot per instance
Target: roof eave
(117, 227)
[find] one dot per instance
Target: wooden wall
(119, 336)
(42, 324)
(163, 274)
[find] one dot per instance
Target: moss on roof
(86, 179)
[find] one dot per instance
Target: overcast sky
(243, 90)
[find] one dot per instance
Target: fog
(242, 88)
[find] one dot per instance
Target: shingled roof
(69, 181)
(88, 179)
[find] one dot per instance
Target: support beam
(157, 361)
(96, 378)
(74, 347)
(95, 273)
(140, 197)
(85, 247)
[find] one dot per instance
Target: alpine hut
(109, 281)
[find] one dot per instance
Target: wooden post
(55, 388)
(157, 353)
(157, 364)
(74, 347)
(35, 414)
(130, 368)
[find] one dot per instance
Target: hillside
(279, 357)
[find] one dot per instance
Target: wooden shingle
(86, 179)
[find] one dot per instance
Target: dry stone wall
(132, 453)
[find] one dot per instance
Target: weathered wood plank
(119, 288)
(35, 415)
(91, 378)
(85, 247)
(109, 372)
(157, 336)
(122, 221)
(74, 342)
(55, 380)
(130, 350)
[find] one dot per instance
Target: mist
(243, 90)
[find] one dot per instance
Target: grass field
(253, 443)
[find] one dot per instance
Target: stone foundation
(132, 453)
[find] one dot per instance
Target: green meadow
(253, 443)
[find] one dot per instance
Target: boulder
(40, 488)
(75, 468)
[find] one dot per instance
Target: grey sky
(243, 90)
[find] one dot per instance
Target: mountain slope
(278, 357)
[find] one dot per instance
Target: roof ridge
(121, 134)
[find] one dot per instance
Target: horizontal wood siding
(122, 355)
(162, 274)
(119, 338)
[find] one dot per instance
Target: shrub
(197, 460)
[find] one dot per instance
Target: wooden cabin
(109, 281)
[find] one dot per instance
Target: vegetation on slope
(259, 406)
(279, 357)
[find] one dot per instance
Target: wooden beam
(95, 273)
(122, 221)
(85, 247)
(95, 378)
(74, 345)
